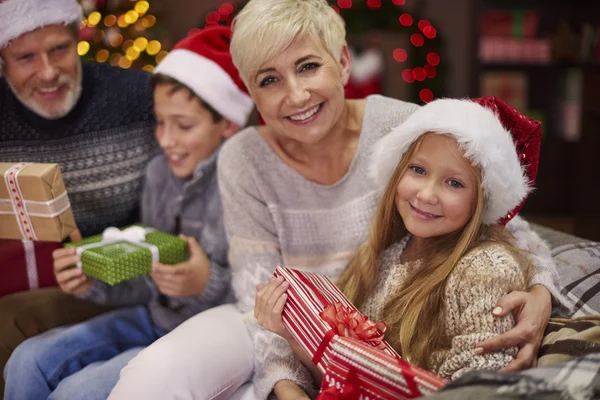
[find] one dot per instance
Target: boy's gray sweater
(190, 207)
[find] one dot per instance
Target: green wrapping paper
(119, 259)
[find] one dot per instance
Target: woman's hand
(184, 279)
(532, 312)
(71, 280)
(268, 306)
(288, 390)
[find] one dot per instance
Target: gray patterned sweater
(102, 146)
(274, 216)
(478, 281)
(173, 205)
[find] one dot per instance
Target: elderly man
(96, 121)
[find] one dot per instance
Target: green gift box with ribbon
(118, 255)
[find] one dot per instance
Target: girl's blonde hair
(264, 28)
(414, 314)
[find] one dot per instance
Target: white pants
(210, 356)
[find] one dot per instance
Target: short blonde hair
(264, 28)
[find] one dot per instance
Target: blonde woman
(295, 192)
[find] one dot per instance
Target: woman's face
(300, 91)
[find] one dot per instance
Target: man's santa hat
(22, 16)
(203, 63)
(502, 142)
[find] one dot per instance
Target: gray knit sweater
(478, 281)
(274, 216)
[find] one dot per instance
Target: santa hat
(203, 63)
(21, 16)
(497, 138)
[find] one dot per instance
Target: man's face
(44, 71)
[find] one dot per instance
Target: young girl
(438, 258)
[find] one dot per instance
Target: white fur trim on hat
(209, 81)
(482, 137)
(21, 16)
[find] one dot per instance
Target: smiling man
(95, 120)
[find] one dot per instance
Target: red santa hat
(21, 16)
(501, 141)
(203, 63)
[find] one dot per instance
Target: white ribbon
(45, 209)
(135, 235)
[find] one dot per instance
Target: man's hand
(532, 312)
(71, 280)
(184, 279)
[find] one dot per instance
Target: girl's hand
(532, 312)
(269, 304)
(288, 390)
(71, 280)
(184, 279)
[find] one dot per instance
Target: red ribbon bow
(347, 322)
(349, 391)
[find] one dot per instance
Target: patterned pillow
(578, 266)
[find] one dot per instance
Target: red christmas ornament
(400, 55)
(429, 32)
(433, 59)
(419, 74)
(426, 95)
(406, 20)
(417, 39)
(373, 3)
(407, 75)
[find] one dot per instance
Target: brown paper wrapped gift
(33, 203)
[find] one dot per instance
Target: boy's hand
(70, 280)
(184, 279)
(269, 304)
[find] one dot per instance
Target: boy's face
(185, 130)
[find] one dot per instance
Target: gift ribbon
(32, 272)
(135, 235)
(16, 199)
(44, 209)
(350, 391)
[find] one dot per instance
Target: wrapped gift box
(308, 296)
(357, 370)
(119, 255)
(371, 366)
(33, 203)
(26, 265)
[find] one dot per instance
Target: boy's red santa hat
(203, 63)
(18, 17)
(501, 141)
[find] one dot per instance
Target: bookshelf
(545, 58)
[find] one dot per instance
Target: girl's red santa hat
(18, 17)
(202, 62)
(501, 141)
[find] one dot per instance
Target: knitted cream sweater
(479, 280)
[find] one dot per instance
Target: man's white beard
(73, 95)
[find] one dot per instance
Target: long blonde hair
(414, 313)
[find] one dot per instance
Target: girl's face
(185, 130)
(300, 91)
(436, 194)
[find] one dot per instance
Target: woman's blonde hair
(414, 313)
(264, 28)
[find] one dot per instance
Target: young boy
(199, 102)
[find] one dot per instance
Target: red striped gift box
(308, 295)
(359, 371)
